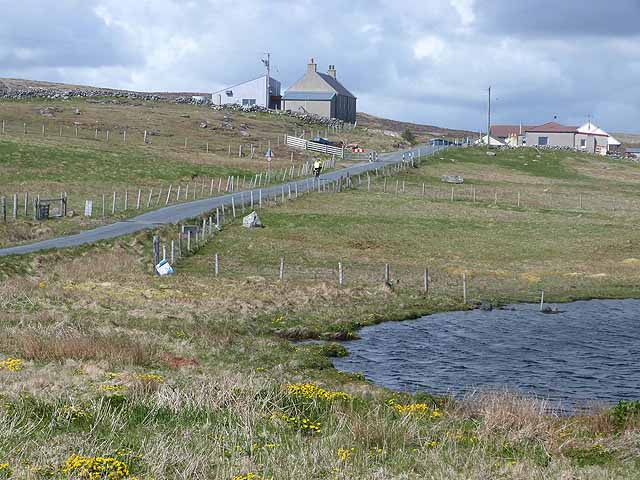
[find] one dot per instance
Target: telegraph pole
(489, 121)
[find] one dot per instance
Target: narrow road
(176, 213)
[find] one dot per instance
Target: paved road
(184, 211)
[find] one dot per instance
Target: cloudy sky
(428, 61)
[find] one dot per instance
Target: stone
(457, 179)
(252, 221)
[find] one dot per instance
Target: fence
(302, 144)
(116, 135)
(116, 202)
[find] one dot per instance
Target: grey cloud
(65, 33)
(565, 18)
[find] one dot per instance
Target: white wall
(252, 90)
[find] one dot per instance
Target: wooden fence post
(216, 264)
(138, 199)
(4, 209)
(113, 205)
(156, 253)
(15, 206)
(387, 273)
(464, 288)
(340, 274)
(233, 206)
(281, 276)
(172, 252)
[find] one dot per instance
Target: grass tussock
(58, 346)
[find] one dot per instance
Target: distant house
(512, 135)
(494, 142)
(555, 135)
(321, 94)
(254, 92)
(590, 129)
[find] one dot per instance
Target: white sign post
(269, 156)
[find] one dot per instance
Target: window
(583, 143)
(229, 93)
(247, 102)
(542, 141)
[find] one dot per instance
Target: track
(176, 213)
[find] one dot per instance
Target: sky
(425, 61)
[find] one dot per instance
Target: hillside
(395, 128)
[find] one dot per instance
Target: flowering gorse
(313, 391)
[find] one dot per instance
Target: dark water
(589, 353)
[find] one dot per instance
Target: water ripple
(587, 353)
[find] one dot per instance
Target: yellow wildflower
(95, 468)
(11, 364)
(344, 454)
(313, 391)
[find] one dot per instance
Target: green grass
(88, 318)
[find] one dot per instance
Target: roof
(553, 127)
(242, 83)
(592, 129)
(308, 95)
(503, 131)
(336, 85)
(483, 141)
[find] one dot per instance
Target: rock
(71, 213)
(252, 221)
(491, 154)
(76, 111)
(204, 124)
(185, 115)
(550, 310)
(452, 179)
(486, 306)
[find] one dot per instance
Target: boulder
(252, 221)
(452, 179)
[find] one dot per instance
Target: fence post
(340, 274)
(26, 204)
(387, 273)
(168, 195)
(216, 265)
(542, 300)
(113, 205)
(156, 253)
(172, 251)
(149, 199)
(464, 288)
(15, 206)
(126, 200)
(425, 280)
(104, 205)
(138, 199)
(189, 241)
(4, 209)
(281, 277)
(233, 206)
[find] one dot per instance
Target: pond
(588, 353)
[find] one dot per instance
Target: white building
(253, 92)
(590, 129)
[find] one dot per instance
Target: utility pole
(489, 121)
(267, 63)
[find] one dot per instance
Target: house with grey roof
(321, 94)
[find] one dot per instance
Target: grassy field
(195, 376)
(179, 152)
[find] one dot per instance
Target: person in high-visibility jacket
(317, 167)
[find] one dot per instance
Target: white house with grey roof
(321, 94)
(254, 92)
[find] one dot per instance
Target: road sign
(269, 155)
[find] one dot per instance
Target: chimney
(332, 71)
(312, 66)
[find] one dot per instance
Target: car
(322, 141)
